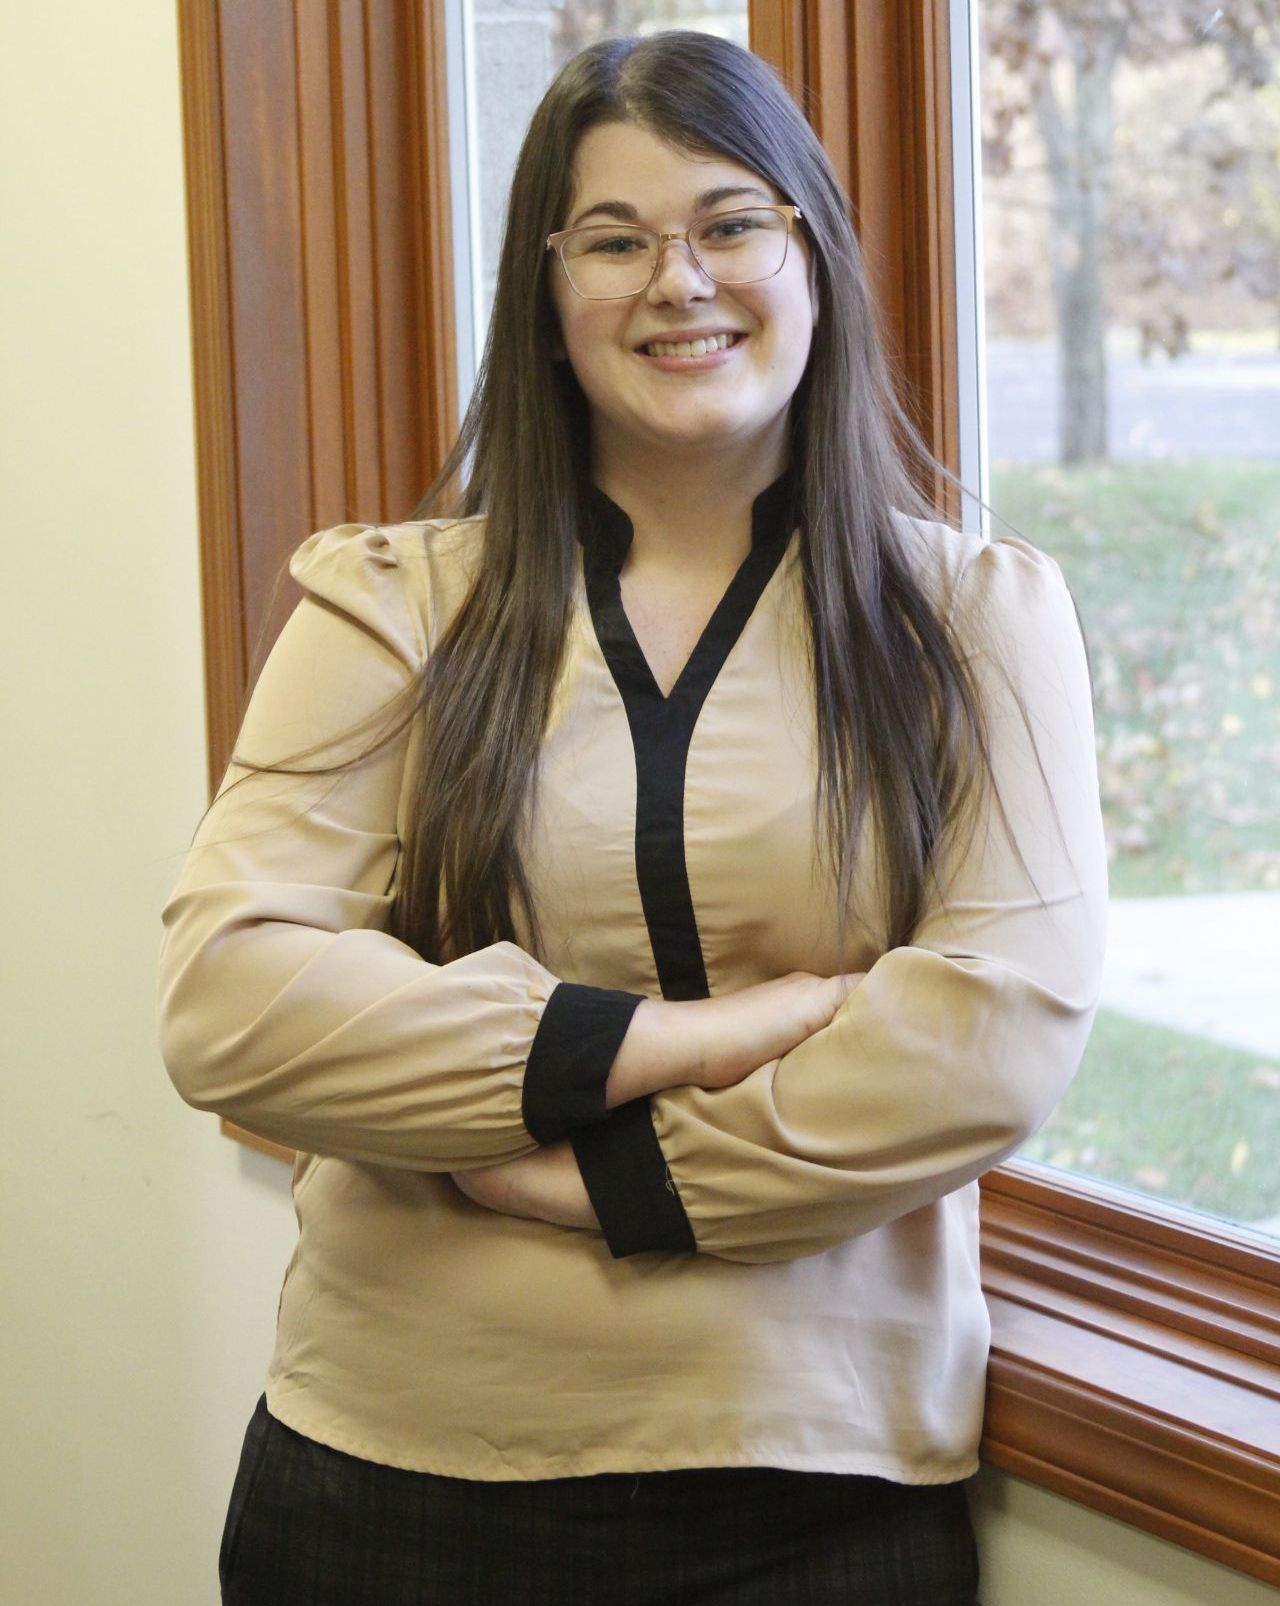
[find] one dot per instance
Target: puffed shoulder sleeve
(954, 1048)
(284, 1002)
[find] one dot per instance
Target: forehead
(622, 162)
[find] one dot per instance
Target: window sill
(1135, 1362)
(251, 1140)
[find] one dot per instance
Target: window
(1131, 237)
(1136, 1349)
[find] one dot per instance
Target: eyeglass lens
(618, 260)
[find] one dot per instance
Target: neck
(688, 512)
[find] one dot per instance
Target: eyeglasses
(605, 262)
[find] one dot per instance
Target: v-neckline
(662, 728)
(608, 539)
(669, 620)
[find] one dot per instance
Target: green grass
(1171, 1115)
(1176, 570)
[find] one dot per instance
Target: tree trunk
(1077, 142)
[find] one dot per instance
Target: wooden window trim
(1135, 1363)
(1135, 1359)
(1136, 1352)
(213, 379)
(321, 286)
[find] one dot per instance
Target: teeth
(688, 348)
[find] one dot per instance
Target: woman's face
(717, 405)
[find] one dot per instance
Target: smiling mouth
(692, 348)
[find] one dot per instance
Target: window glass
(1131, 244)
(513, 49)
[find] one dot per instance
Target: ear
(814, 298)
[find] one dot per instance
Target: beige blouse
(787, 1273)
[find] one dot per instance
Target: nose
(679, 278)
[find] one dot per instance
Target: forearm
(703, 1043)
(715, 1042)
(543, 1186)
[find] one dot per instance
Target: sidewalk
(1207, 964)
(1204, 964)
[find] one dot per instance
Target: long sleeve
(953, 1049)
(284, 1003)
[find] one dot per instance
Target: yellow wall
(142, 1252)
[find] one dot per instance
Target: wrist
(550, 1188)
(655, 1053)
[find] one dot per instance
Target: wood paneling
(213, 366)
(808, 43)
(900, 129)
(874, 79)
(321, 290)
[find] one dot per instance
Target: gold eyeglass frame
(789, 213)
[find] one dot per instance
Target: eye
(614, 245)
(729, 229)
(725, 230)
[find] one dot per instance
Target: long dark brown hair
(901, 739)
(900, 731)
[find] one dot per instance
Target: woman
(647, 903)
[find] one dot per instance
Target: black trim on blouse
(626, 1177)
(573, 1050)
(620, 1158)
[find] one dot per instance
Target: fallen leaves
(1179, 589)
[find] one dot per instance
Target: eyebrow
(626, 213)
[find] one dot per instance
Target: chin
(709, 427)
(701, 438)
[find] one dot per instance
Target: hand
(543, 1186)
(716, 1042)
(739, 1032)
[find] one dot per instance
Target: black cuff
(573, 1049)
(625, 1172)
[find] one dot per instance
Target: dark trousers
(311, 1526)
